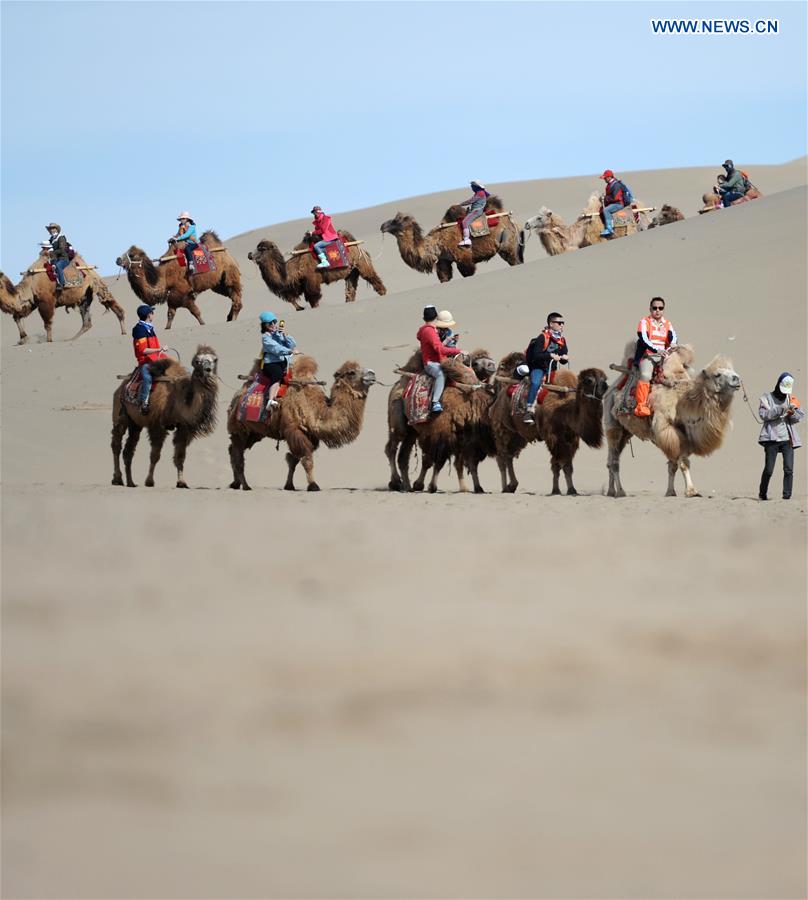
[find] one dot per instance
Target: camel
(37, 291)
(455, 432)
(712, 201)
(562, 421)
(180, 401)
(169, 283)
(305, 417)
(289, 279)
(438, 250)
(666, 215)
(691, 416)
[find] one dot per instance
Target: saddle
(627, 401)
(518, 394)
(73, 275)
(202, 257)
(336, 254)
(624, 221)
(417, 399)
(131, 387)
(252, 406)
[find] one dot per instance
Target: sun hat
(445, 319)
(53, 225)
(608, 174)
(185, 215)
(144, 310)
(268, 317)
(786, 384)
(315, 208)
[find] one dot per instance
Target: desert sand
(356, 693)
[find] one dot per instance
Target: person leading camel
(277, 347)
(59, 253)
(187, 232)
(655, 336)
(780, 412)
(326, 233)
(547, 348)
(476, 204)
(616, 197)
(433, 351)
(147, 350)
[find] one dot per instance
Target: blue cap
(268, 317)
(144, 310)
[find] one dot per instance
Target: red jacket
(432, 350)
(143, 338)
(323, 227)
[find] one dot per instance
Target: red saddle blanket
(518, 394)
(417, 399)
(253, 405)
(131, 388)
(336, 254)
(203, 260)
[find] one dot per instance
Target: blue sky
(117, 115)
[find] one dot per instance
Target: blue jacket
(277, 347)
(190, 234)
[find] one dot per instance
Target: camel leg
(351, 281)
(374, 281)
(181, 441)
(618, 438)
(473, 464)
(444, 269)
(118, 430)
(46, 311)
(237, 451)
(503, 472)
(391, 448)
(292, 462)
(308, 467)
(129, 452)
(111, 305)
(426, 464)
(156, 437)
(172, 311)
(234, 292)
(194, 310)
(556, 470)
(672, 469)
(690, 488)
(18, 321)
(86, 318)
(460, 468)
(567, 469)
(466, 268)
(312, 293)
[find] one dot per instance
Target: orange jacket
(660, 332)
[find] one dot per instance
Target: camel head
(354, 375)
(543, 220)
(133, 256)
(205, 362)
(592, 384)
(721, 378)
(397, 224)
(482, 365)
(267, 253)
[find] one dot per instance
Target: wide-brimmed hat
(608, 174)
(53, 225)
(445, 319)
(185, 215)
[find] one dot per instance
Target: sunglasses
(557, 322)
(654, 308)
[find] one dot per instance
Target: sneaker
(607, 234)
(323, 265)
(272, 404)
(144, 409)
(528, 419)
(437, 408)
(464, 244)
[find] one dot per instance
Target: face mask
(786, 386)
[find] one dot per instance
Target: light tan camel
(690, 416)
(438, 250)
(305, 417)
(37, 291)
(180, 401)
(169, 283)
(666, 216)
(558, 237)
(712, 201)
(299, 276)
(563, 420)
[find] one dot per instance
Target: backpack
(71, 252)
(628, 196)
(747, 184)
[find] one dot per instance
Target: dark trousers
(190, 246)
(771, 449)
(730, 197)
(274, 371)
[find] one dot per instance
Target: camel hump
(304, 367)
(210, 239)
(167, 368)
(565, 378)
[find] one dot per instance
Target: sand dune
(358, 693)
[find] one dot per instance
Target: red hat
(608, 174)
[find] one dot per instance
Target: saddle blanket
(73, 275)
(253, 405)
(203, 260)
(336, 254)
(131, 388)
(479, 227)
(417, 399)
(518, 394)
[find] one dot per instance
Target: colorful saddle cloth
(73, 274)
(336, 254)
(417, 399)
(518, 394)
(131, 388)
(479, 227)
(252, 406)
(203, 259)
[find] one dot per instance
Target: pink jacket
(323, 227)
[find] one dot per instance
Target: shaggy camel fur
(557, 237)
(305, 417)
(465, 399)
(562, 421)
(666, 215)
(690, 416)
(289, 279)
(37, 291)
(438, 249)
(179, 401)
(169, 283)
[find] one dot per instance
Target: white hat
(478, 183)
(184, 215)
(444, 320)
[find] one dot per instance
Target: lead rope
(746, 401)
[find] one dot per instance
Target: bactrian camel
(691, 416)
(666, 216)
(438, 249)
(454, 432)
(180, 401)
(305, 417)
(299, 276)
(37, 292)
(562, 420)
(169, 283)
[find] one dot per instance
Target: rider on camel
(433, 351)
(476, 204)
(655, 336)
(326, 233)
